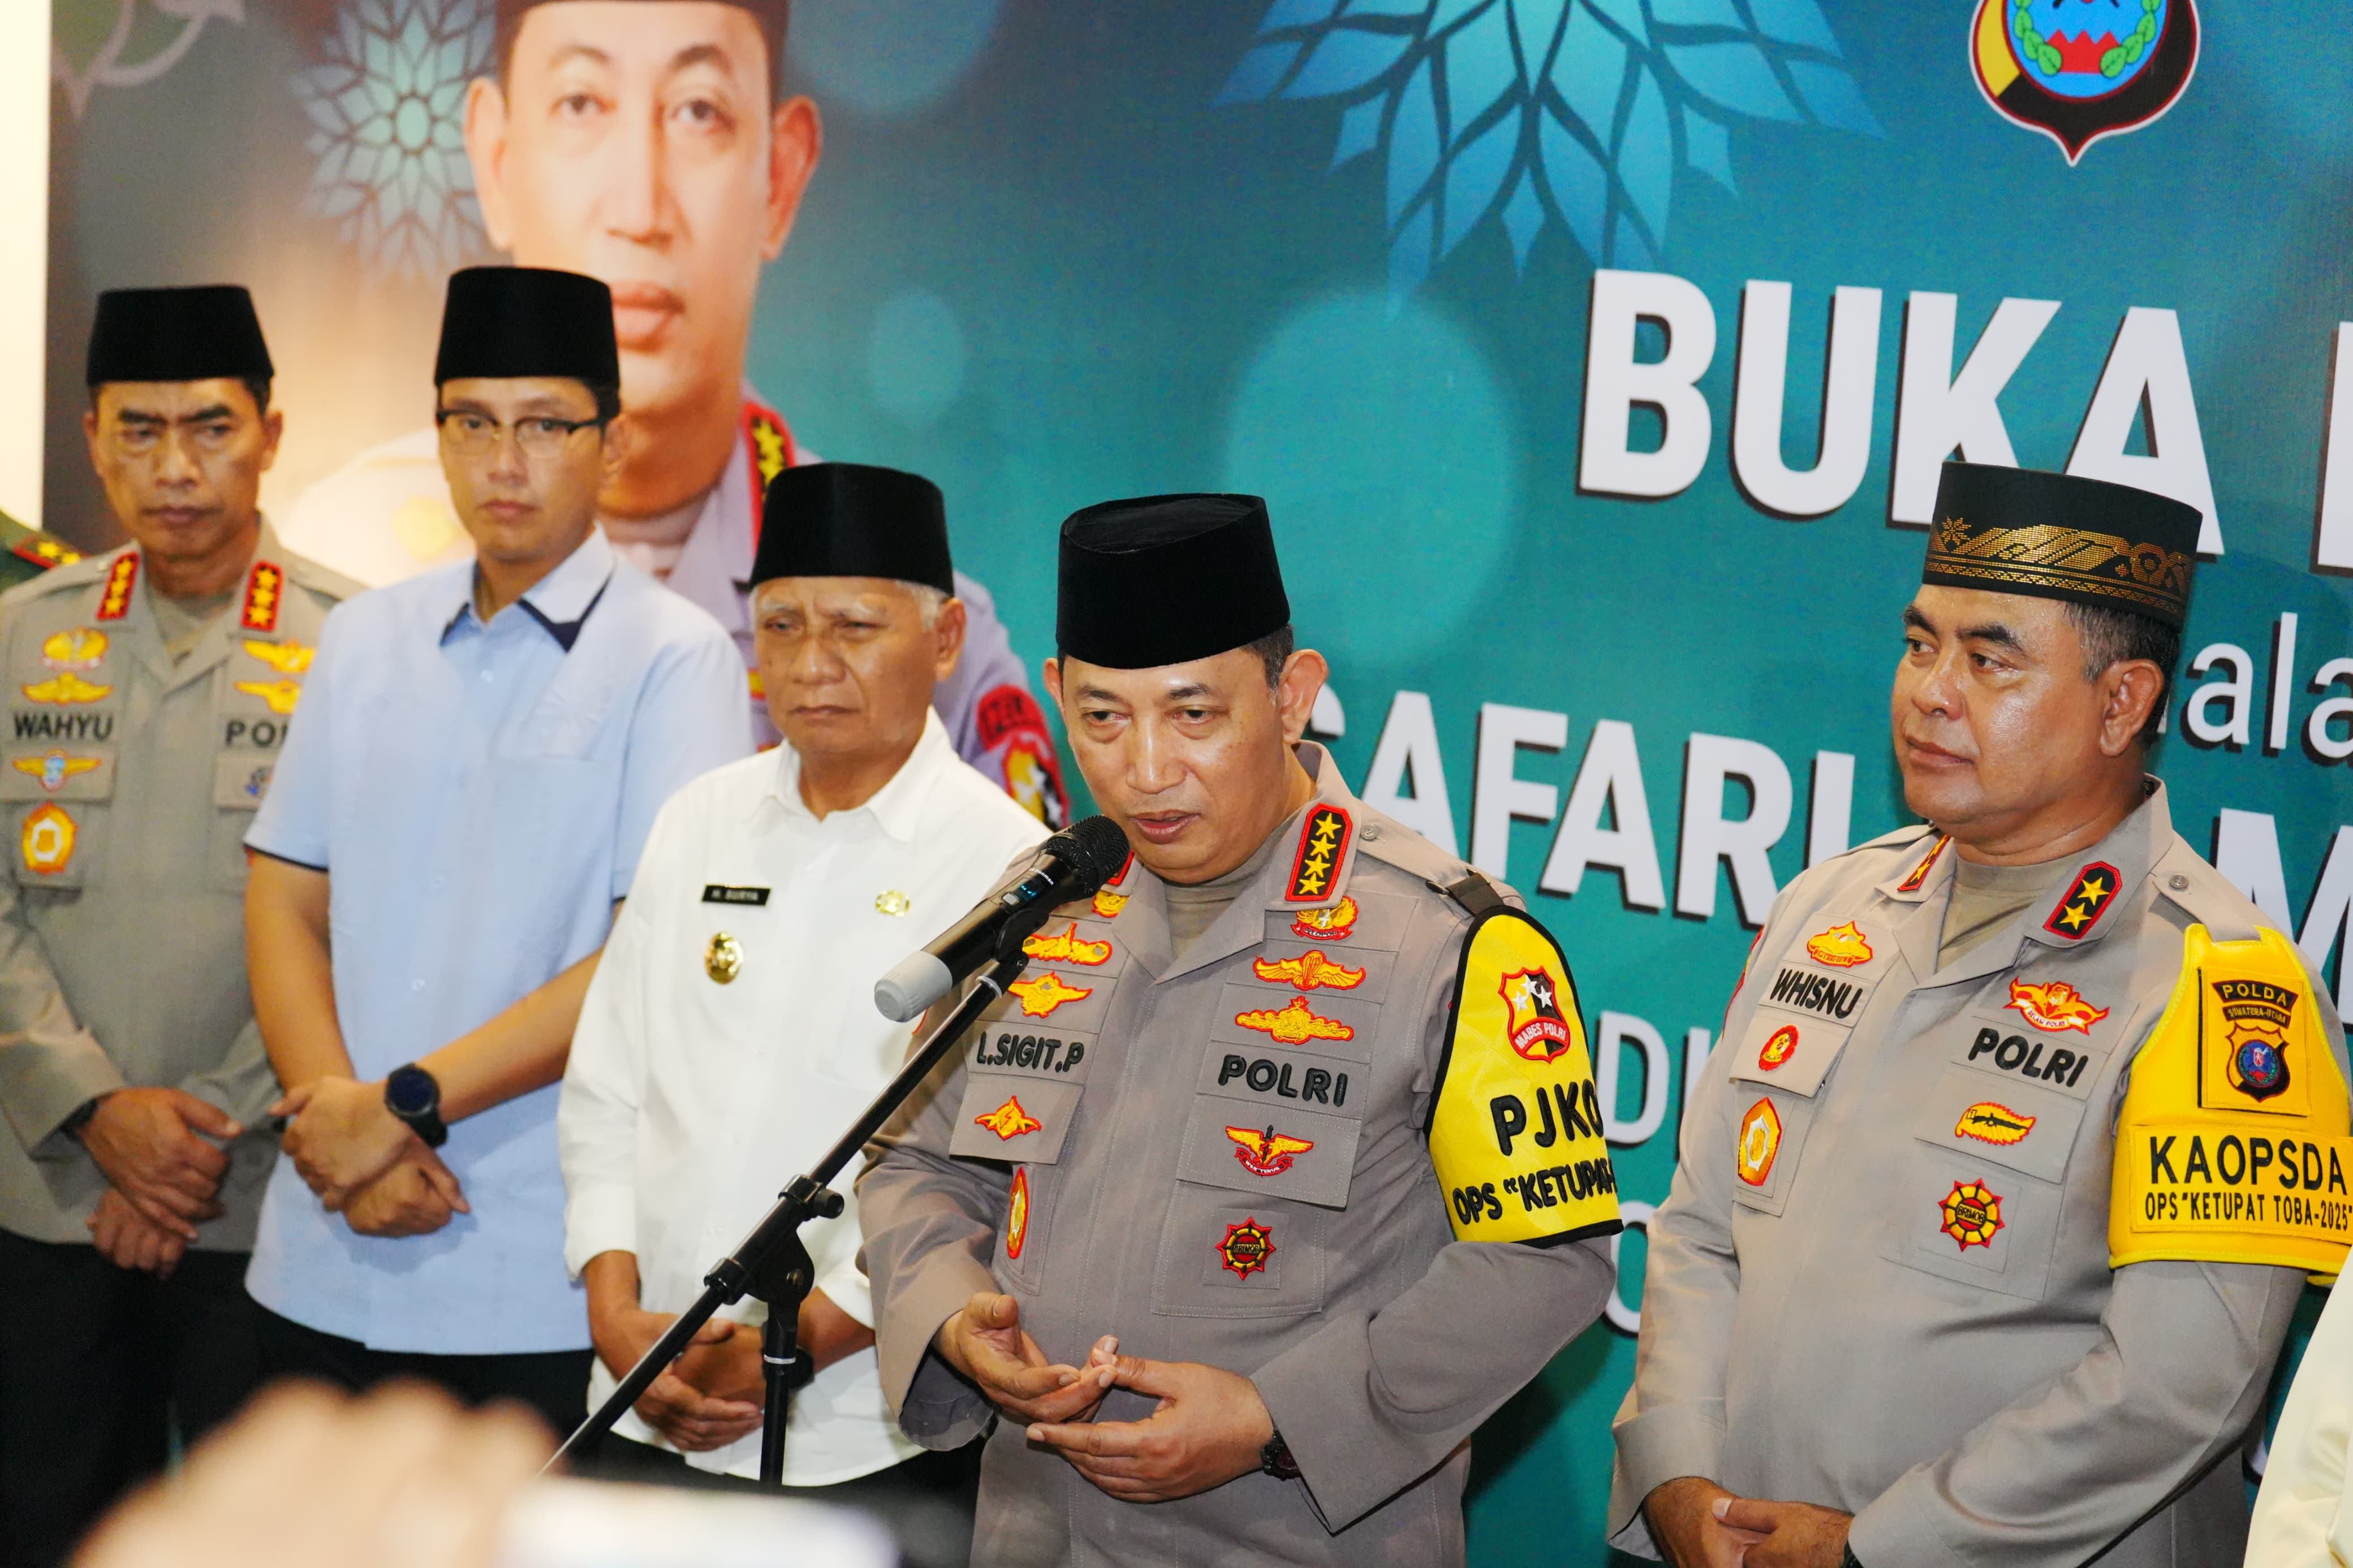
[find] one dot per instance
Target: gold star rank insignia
(1323, 840)
(2086, 900)
(114, 599)
(263, 587)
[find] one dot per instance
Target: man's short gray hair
(929, 601)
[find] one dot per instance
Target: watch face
(411, 1091)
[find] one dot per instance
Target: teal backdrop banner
(1596, 357)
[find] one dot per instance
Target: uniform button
(1372, 831)
(417, 985)
(2177, 882)
(486, 678)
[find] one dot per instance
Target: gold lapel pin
(893, 903)
(724, 959)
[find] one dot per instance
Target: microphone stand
(771, 1263)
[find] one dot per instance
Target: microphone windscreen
(918, 981)
(1096, 848)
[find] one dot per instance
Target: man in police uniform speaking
(648, 145)
(1279, 1168)
(2025, 1129)
(149, 691)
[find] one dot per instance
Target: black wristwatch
(412, 1094)
(78, 1117)
(1275, 1459)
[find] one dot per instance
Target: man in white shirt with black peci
(731, 1034)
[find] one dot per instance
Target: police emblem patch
(1017, 1213)
(1295, 1024)
(1537, 1030)
(1331, 925)
(1840, 947)
(83, 647)
(2053, 1006)
(1309, 970)
(1323, 840)
(1971, 1213)
(1107, 904)
(65, 690)
(54, 768)
(2257, 1014)
(285, 658)
(1760, 1140)
(1990, 1121)
(1779, 1047)
(1267, 1153)
(1008, 1120)
(280, 695)
(47, 840)
(1247, 1248)
(2087, 898)
(1066, 947)
(1034, 779)
(2078, 72)
(1042, 994)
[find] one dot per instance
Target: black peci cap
(505, 321)
(2061, 536)
(177, 334)
(848, 520)
(1167, 579)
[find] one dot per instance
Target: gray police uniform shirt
(1881, 1283)
(127, 782)
(1095, 1152)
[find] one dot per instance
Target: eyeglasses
(472, 435)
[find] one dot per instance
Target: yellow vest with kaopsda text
(2233, 1144)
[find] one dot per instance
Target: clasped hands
(1209, 1427)
(364, 1163)
(1698, 1524)
(155, 1147)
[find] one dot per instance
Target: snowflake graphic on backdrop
(385, 109)
(1575, 112)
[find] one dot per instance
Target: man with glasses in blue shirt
(481, 755)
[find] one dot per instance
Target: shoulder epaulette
(323, 580)
(1391, 842)
(42, 549)
(1474, 893)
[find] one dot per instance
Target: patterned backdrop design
(1592, 354)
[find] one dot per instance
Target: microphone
(1075, 862)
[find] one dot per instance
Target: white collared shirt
(690, 1102)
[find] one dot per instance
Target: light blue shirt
(479, 794)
